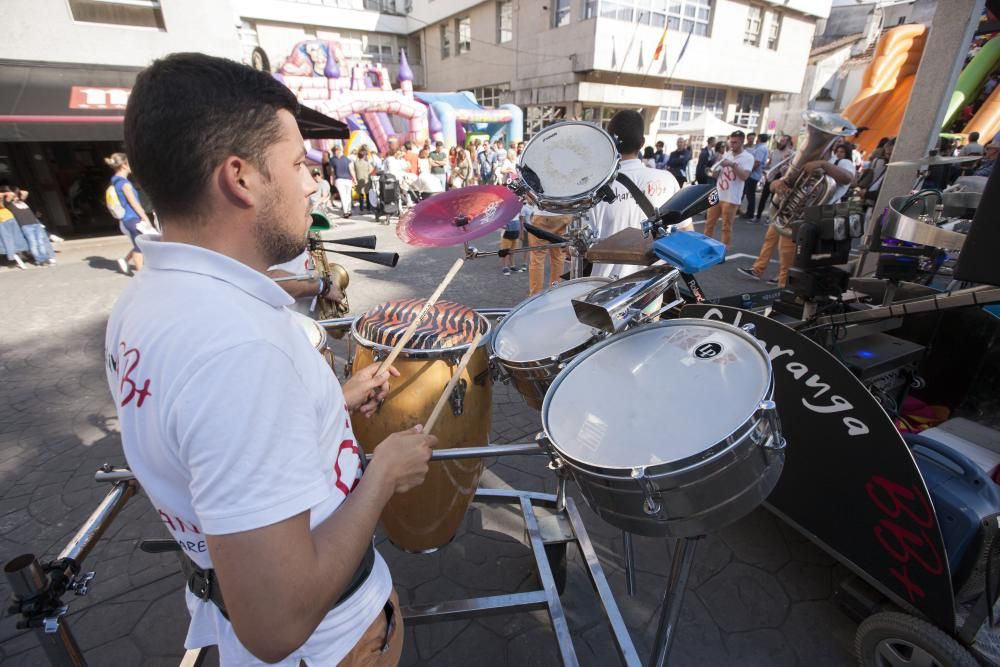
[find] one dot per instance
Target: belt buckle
(203, 585)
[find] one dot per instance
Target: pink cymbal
(456, 216)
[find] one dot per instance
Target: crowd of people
(357, 179)
(21, 231)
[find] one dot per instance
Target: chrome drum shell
(706, 487)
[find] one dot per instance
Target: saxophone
(337, 274)
(808, 188)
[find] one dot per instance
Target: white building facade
(588, 58)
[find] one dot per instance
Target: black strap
(205, 585)
(649, 210)
(637, 194)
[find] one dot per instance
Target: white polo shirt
(232, 421)
(847, 166)
(729, 185)
(658, 185)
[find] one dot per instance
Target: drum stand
(673, 599)
(562, 526)
(579, 238)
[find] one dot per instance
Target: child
(508, 241)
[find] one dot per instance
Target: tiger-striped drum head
(446, 326)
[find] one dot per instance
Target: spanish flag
(660, 44)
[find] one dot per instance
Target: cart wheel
(556, 555)
(892, 639)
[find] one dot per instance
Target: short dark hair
(628, 127)
(711, 141)
(973, 137)
(187, 112)
(763, 137)
(738, 133)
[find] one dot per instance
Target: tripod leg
(629, 557)
(673, 599)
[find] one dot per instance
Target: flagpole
(660, 45)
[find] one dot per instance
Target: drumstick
(408, 334)
(466, 358)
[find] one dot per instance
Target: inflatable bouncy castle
(377, 115)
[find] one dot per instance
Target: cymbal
(456, 216)
(934, 160)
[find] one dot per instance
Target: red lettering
(905, 541)
(896, 492)
(177, 524)
(346, 444)
(166, 519)
(903, 532)
(129, 361)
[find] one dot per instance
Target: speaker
(978, 261)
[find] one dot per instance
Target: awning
(62, 102)
(316, 125)
(41, 102)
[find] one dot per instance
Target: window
(560, 13)
(773, 31)
(748, 106)
(751, 35)
(492, 96)
(505, 21)
(682, 15)
(463, 35)
(380, 48)
(384, 6)
(694, 102)
(689, 16)
(134, 13)
(537, 118)
(414, 54)
(445, 42)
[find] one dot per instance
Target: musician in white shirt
(736, 167)
(658, 185)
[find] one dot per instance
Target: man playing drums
(236, 427)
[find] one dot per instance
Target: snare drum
(539, 337)
(316, 334)
(427, 517)
(669, 429)
(566, 167)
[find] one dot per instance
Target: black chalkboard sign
(850, 482)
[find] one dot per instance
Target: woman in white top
(462, 173)
(508, 168)
(649, 157)
(427, 183)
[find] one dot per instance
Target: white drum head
(569, 159)
(658, 394)
(545, 325)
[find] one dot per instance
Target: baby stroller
(388, 197)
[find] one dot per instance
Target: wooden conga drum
(427, 517)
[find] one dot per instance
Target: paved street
(760, 594)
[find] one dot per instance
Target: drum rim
(542, 362)
(323, 335)
(732, 439)
(576, 202)
(420, 353)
